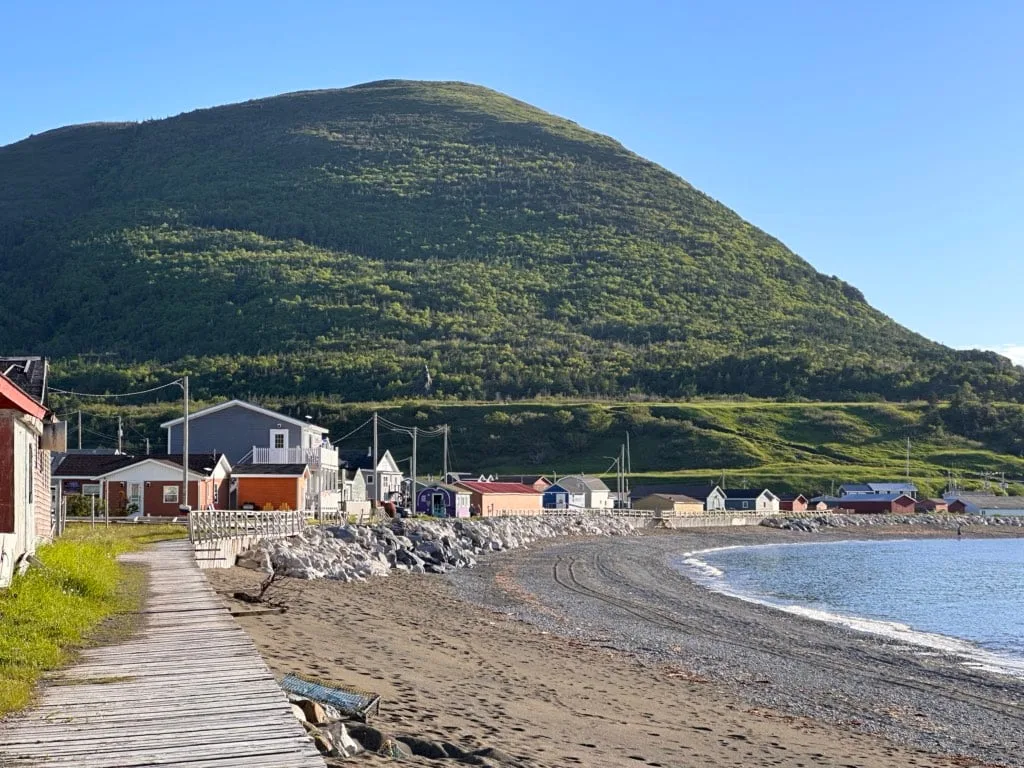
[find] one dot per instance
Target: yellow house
(671, 504)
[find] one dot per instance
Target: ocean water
(959, 596)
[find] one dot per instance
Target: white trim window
(170, 494)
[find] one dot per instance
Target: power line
(345, 437)
(175, 383)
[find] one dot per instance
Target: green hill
(346, 242)
(806, 447)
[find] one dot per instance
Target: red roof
(499, 487)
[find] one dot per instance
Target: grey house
(248, 434)
(751, 500)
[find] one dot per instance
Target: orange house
(495, 499)
(274, 486)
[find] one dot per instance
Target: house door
(279, 446)
(437, 508)
(136, 497)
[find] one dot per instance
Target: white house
(390, 476)
(587, 492)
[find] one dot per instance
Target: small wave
(972, 655)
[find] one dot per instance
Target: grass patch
(79, 595)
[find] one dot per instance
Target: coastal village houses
(29, 431)
(711, 496)
(147, 485)
(250, 435)
(391, 481)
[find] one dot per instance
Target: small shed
(931, 505)
(793, 502)
(493, 499)
(442, 501)
(556, 497)
(671, 504)
(269, 486)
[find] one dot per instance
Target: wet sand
(595, 653)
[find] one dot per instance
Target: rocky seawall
(950, 522)
(358, 552)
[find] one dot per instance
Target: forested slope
(349, 241)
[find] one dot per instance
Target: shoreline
(534, 648)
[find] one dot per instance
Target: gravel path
(621, 593)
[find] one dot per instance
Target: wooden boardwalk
(189, 690)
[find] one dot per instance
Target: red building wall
(6, 474)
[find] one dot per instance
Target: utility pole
(79, 429)
(412, 485)
(376, 474)
(629, 456)
(444, 477)
(908, 458)
(120, 434)
(147, 446)
(184, 449)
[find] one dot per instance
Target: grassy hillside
(788, 446)
(348, 242)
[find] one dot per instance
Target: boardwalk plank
(195, 693)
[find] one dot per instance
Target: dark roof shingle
(29, 373)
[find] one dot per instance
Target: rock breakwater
(359, 552)
(950, 522)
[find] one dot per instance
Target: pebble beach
(595, 651)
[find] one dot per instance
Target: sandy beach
(595, 652)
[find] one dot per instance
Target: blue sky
(881, 141)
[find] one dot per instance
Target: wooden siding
(276, 491)
(6, 472)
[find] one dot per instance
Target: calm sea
(963, 596)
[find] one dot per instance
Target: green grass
(74, 598)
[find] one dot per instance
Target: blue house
(442, 501)
(556, 497)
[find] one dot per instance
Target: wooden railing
(315, 457)
(217, 524)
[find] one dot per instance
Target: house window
(170, 494)
(216, 493)
(279, 440)
(746, 504)
(369, 479)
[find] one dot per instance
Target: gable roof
(354, 459)
(987, 501)
(272, 470)
(242, 404)
(865, 498)
(29, 373)
(677, 497)
(582, 483)
(91, 464)
(693, 491)
(96, 465)
(791, 496)
(745, 493)
(525, 479)
(13, 396)
(520, 488)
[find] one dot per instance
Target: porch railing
(217, 524)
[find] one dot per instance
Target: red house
(28, 432)
(789, 502)
(877, 504)
(150, 485)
